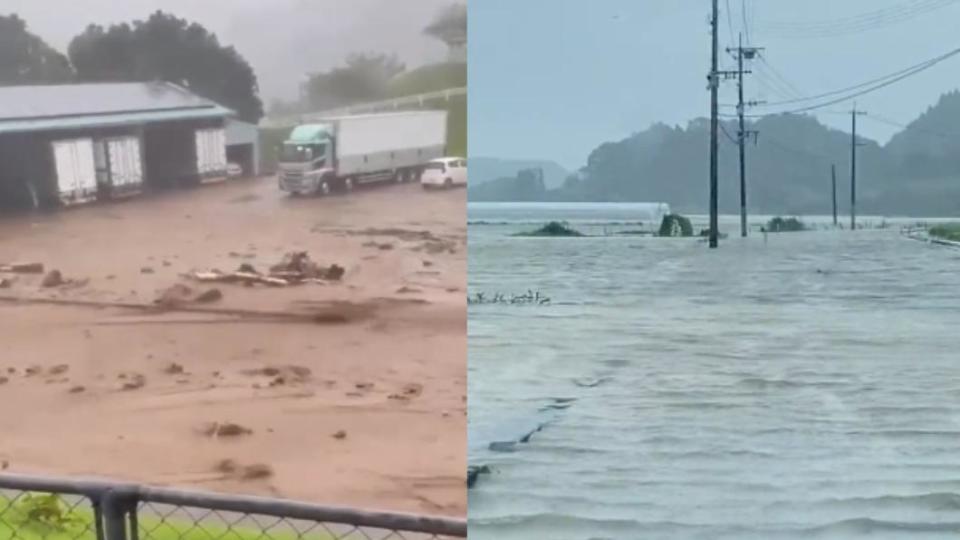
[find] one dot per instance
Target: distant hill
(486, 169)
(917, 173)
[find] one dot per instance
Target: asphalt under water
(806, 386)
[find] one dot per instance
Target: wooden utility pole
(853, 167)
(742, 53)
(714, 125)
(833, 178)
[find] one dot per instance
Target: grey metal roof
(31, 108)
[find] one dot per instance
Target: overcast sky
(552, 79)
(282, 39)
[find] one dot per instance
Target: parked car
(444, 172)
(234, 170)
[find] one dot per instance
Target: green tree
(363, 78)
(450, 24)
(26, 59)
(168, 48)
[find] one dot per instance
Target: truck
(343, 152)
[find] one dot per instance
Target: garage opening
(242, 155)
(170, 156)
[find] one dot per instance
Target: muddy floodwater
(289, 391)
(806, 386)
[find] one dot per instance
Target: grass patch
(779, 224)
(554, 228)
(947, 231)
(42, 516)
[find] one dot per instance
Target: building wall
(28, 173)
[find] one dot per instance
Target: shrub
(675, 225)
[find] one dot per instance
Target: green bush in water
(779, 224)
(675, 225)
(554, 228)
(947, 231)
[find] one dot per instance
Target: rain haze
(582, 73)
(282, 39)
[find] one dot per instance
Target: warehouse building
(68, 144)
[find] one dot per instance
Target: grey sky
(555, 78)
(281, 38)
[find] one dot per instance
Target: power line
(727, 133)
(918, 69)
(863, 84)
(793, 88)
(746, 25)
(729, 20)
(858, 23)
(894, 123)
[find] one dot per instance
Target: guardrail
(418, 100)
(59, 508)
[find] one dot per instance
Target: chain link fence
(43, 508)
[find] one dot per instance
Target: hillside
(916, 173)
(486, 169)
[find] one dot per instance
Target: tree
(168, 48)
(26, 59)
(363, 78)
(450, 24)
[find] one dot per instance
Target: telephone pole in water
(748, 53)
(853, 167)
(833, 179)
(714, 124)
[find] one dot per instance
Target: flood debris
(53, 279)
(179, 294)
(225, 429)
(173, 368)
(22, 268)
(133, 381)
(474, 472)
(257, 471)
(295, 268)
(208, 296)
(281, 375)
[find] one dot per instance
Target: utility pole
(741, 53)
(853, 167)
(833, 178)
(714, 125)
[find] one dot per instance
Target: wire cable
(865, 84)
(885, 83)
(858, 23)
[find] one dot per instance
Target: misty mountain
(788, 168)
(486, 169)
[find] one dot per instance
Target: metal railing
(417, 100)
(33, 507)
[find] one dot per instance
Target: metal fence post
(117, 503)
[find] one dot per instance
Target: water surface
(803, 386)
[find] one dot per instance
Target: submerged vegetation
(554, 228)
(779, 224)
(675, 225)
(528, 298)
(946, 231)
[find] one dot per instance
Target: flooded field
(805, 386)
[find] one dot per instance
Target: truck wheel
(348, 184)
(324, 188)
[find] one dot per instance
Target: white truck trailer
(340, 153)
